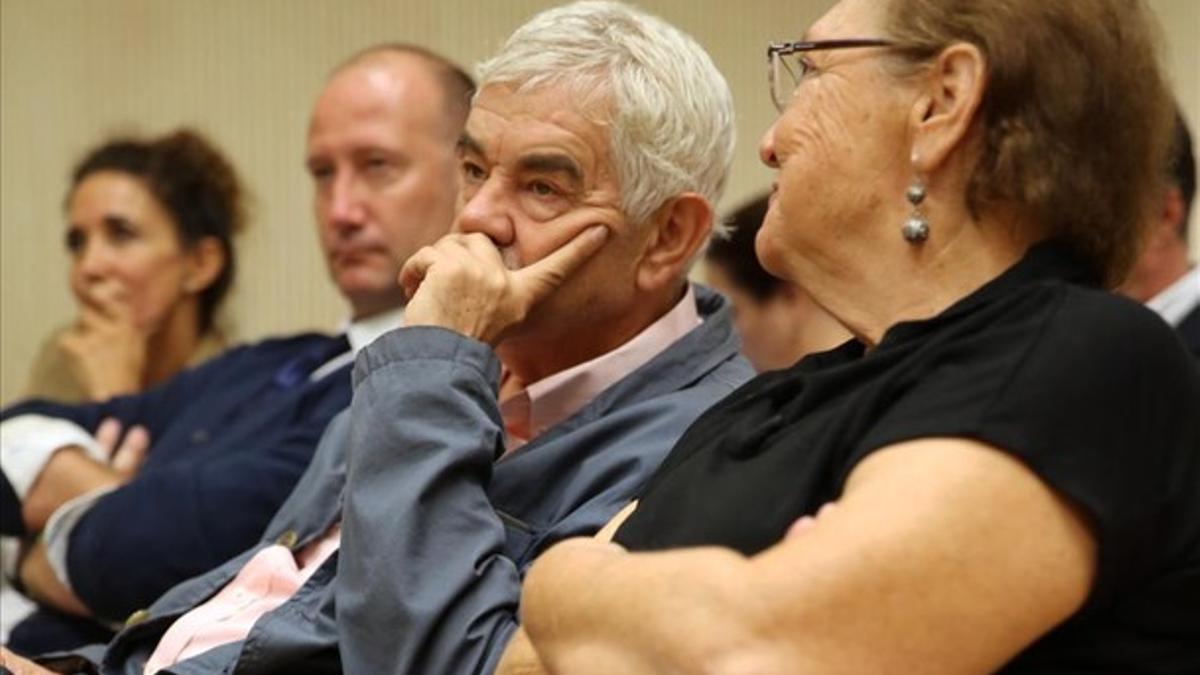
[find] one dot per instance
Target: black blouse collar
(1045, 261)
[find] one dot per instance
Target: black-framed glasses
(787, 66)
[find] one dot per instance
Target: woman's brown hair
(193, 182)
(1077, 115)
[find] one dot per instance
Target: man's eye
(472, 171)
(542, 189)
(377, 164)
(75, 241)
(320, 173)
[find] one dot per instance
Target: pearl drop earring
(916, 227)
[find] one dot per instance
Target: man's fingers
(107, 435)
(413, 272)
(128, 458)
(548, 273)
(482, 247)
(806, 523)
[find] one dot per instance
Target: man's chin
(370, 297)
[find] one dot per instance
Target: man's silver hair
(672, 112)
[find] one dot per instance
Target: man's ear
(942, 117)
(681, 228)
(1174, 211)
(205, 261)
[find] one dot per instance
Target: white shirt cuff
(27, 442)
(57, 534)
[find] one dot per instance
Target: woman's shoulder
(50, 376)
(1095, 324)
(1095, 346)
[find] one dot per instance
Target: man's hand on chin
(461, 283)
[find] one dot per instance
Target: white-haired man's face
(536, 171)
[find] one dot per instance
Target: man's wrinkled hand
(461, 283)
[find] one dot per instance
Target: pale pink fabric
(273, 575)
(547, 402)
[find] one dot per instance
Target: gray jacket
(437, 533)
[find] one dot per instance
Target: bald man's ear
(681, 228)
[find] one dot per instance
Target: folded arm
(49, 456)
(943, 555)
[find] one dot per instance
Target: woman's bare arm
(943, 555)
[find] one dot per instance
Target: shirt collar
(363, 332)
(359, 334)
(553, 399)
(1179, 299)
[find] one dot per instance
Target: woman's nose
(766, 147)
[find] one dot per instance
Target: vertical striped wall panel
(245, 72)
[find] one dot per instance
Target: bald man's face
(381, 154)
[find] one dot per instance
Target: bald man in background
(229, 441)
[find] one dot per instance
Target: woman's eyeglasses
(787, 64)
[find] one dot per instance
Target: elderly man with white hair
(553, 353)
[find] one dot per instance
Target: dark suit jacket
(1189, 329)
(230, 439)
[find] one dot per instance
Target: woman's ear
(204, 263)
(944, 114)
(681, 230)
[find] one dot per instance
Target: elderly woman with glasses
(1002, 470)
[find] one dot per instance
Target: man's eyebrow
(467, 143)
(552, 163)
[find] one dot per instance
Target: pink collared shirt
(551, 400)
(274, 574)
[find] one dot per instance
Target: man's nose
(487, 211)
(344, 203)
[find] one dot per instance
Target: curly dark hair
(193, 182)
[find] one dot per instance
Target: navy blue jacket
(229, 441)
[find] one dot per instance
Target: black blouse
(1093, 392)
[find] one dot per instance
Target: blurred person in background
(150, 228)
(778, 322)
(103, 533)
(1163, 277)
(554, 350)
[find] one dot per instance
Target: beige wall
(245, 71)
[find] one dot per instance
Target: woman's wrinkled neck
(901, 281)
